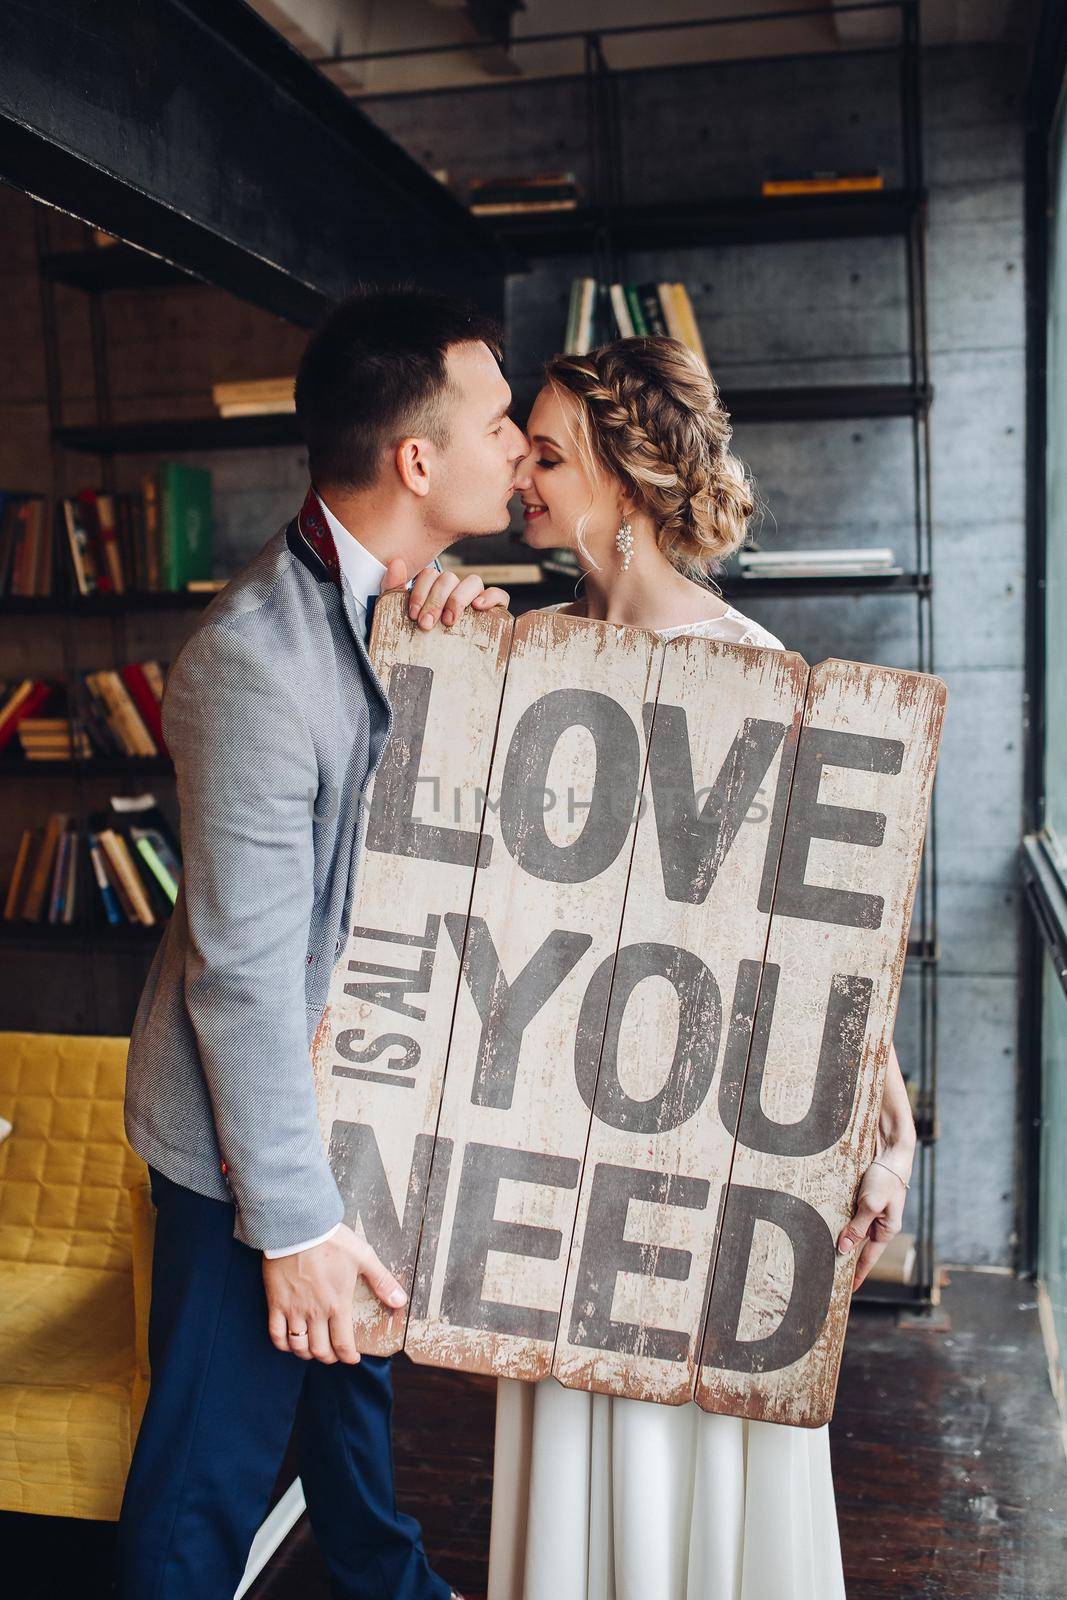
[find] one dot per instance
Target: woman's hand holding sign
(883, 1188)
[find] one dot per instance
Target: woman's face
(555, 487)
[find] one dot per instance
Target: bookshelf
(106, 963)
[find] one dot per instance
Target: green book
(156, 866)
(637, 315)
(185, 523)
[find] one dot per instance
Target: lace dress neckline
(730, 613)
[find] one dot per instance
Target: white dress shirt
(364, 573)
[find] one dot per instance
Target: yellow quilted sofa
(75, 1260)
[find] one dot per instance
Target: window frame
(1043, 873)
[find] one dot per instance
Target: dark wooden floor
(951, 1477)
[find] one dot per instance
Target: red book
(105, 582)
(26, 707)
(145, 701)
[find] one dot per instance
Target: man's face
(473, 479)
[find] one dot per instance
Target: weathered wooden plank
(852, 830)
(379, 1054)
(545, 915)
(723, 734)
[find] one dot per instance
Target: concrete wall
(828, 312)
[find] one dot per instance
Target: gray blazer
(276, 721)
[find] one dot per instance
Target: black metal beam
(191, 128)
(1047, 78)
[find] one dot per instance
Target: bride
(597, 1498)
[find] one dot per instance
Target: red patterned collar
(314, 528)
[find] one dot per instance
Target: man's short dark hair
(374, 373)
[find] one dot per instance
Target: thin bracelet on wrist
(876, 1163)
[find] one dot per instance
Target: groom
(276, 721)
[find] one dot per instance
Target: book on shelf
(26, 545)
(543, 191)
(185, 523)
(629, 310)
(520, 207)
(65, 865)
(152, 568)
(561, 563)
(121, 709)
(153, 542)
(19, 701)
(131, 889)
(642, 309)
(254, 397)
(116, 705)
(143, 682)
(113, 712)
(53, 739)
(823, 182)
(582, 311)
(39, 871)
(98, 541)
(501, 572)
(82, 560)
(827, 563)
(127, 859)
(152, 838)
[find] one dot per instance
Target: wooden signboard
(602, 1060)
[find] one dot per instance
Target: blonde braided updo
(649, 413)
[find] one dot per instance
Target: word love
(598, 1081)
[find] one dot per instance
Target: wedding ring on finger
(298, 1333)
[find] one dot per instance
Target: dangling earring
(624, 542)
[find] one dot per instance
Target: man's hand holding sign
(313, 1290)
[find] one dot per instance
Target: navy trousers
(221, 1408)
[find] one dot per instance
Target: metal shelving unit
(94, 272)
(605, 230)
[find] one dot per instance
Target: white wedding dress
(596, 1498)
